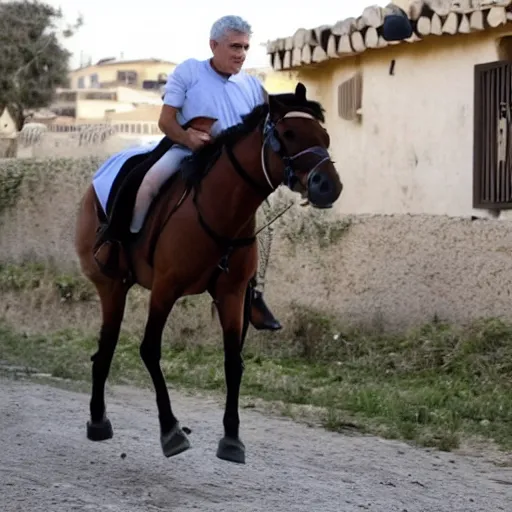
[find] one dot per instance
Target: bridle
(272, 140)
(271, 137)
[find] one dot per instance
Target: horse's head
(299, 145)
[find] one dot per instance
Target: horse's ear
(275, 107)
(300, 91)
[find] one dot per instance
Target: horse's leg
(172, 438)
(246, 320)
(231, 312)
(113, 299)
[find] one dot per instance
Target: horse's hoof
(232, 450)
(100, 431)
(174, 442)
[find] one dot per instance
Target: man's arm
(174, 96)
(170, 126)
(261, 94)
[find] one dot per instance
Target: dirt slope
(48, 465)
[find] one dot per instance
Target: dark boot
(114, 234)
(110, 255)
(261, 316)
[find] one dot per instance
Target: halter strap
(291, 114)
(298, 113)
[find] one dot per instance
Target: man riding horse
(196, 93)
(200, 222)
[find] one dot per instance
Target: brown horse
(198, 237)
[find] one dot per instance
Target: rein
(270, 138)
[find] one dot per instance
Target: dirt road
(47, 464)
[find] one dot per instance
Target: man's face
(229, 53)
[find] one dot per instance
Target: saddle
(202, 124)
(126, 184)
(114, 225)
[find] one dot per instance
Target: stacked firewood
(355, 35)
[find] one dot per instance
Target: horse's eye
(288, 134)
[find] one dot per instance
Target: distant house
(147, 74)
(117, 86)
(145, 113)
(419, 126)
(94, 104)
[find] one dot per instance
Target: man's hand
(196, 139)
(192, 138)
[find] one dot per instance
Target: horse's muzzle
(323, 189)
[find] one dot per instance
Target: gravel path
(48, 465)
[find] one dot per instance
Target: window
(127, 77)
(81, 82)
(66, 96)
(99, 95)
(151, 85)
(350, 95)
(95, 83)
(492, 159)
(64, 111)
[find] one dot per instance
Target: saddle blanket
(104, 177)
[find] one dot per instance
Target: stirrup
(113, 267)
(110, 266)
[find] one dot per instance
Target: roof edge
(354, 36)
(106, 63)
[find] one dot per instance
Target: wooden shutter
(350, 98)
(492, 176)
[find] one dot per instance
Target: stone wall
(377, 271)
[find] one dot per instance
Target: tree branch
(32, 61)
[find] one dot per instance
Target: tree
(32, 61)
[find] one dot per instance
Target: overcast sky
(176, 30)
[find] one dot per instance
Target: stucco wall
(97, 109)
(389, 271)
(412, 150)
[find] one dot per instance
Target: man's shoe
(261, 316)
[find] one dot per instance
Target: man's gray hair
(227, 24)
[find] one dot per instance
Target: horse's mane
(195, 167)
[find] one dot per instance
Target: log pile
(355, 35)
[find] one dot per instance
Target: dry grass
(435, 385)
